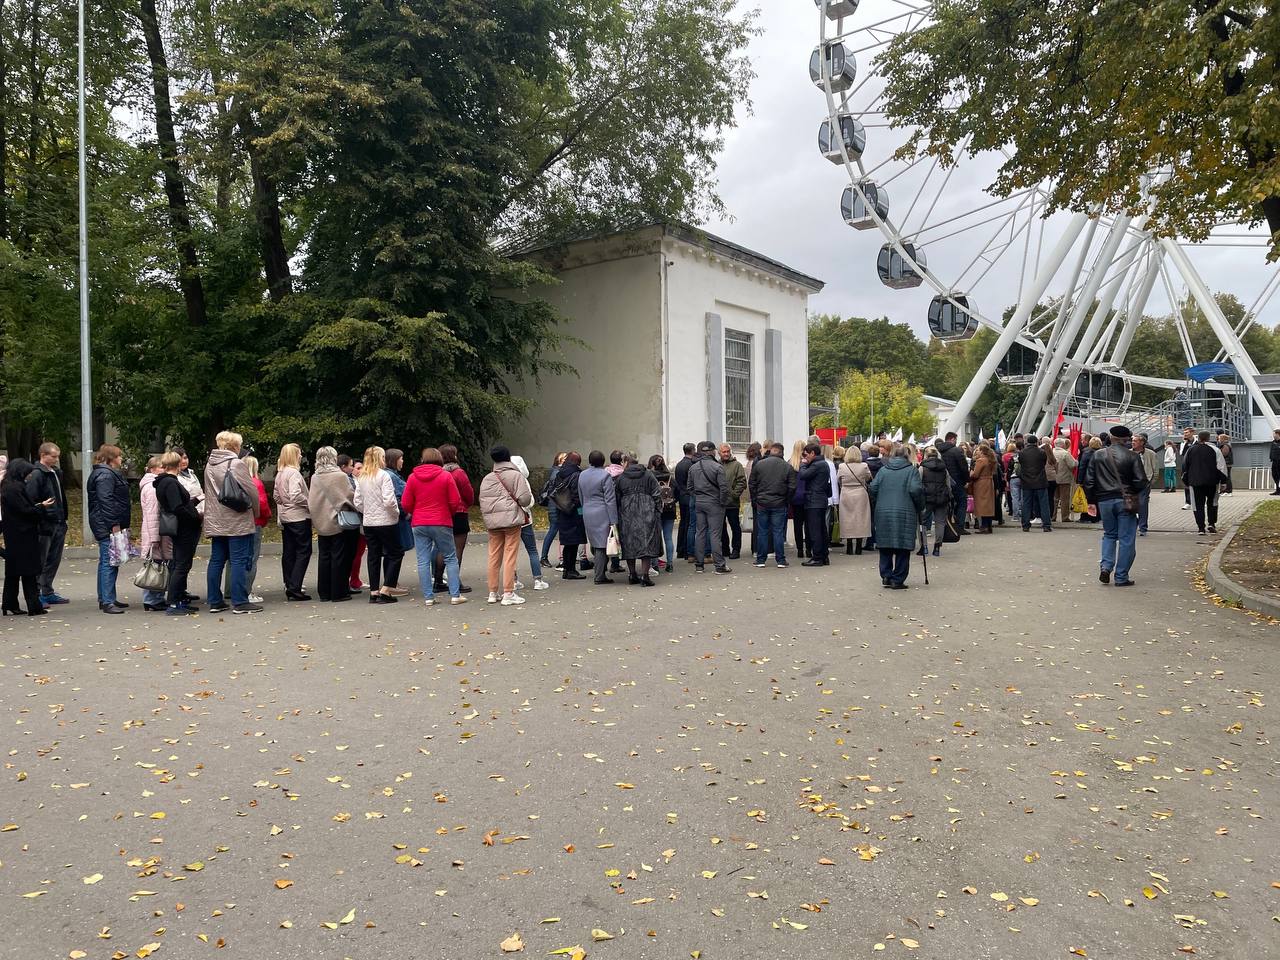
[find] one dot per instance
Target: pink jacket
(153, 545)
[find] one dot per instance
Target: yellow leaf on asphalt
(148, 949)
(1149, 893)
(158, 815)
(8, 828)
(195, 867)
(999, 897)
(1029, 901)
(1221, 894)
(35, 893)
(625, 786)
(283, 884)
(550, 920)
(1078, 951)
(573, 953)
(328, 925)
(286, 924)
(513, 944)
(597, 935)
(351, 915)
(77, 955)
(910, 944)
(708, 874)
(91, 879)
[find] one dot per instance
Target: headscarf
(520, 465)
(326, 460)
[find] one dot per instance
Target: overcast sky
(783, 197)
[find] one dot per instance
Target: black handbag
(949, 532)
(168, 524)
(231, 495)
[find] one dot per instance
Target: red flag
(1077, 435)
(1057, 424)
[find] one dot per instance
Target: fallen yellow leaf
(35, 893)
(597, 935)
(91, 879)
(148, 949)
(513, 944)
(910, 944)
(999, 897)
(351, 915)
(1029, 901)
(283, 884)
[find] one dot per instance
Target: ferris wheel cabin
(838, 9)
(835, 62)
(901, 272)
(852, 132)
(950, 320)
(856, 206)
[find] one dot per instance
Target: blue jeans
(1119, 535)
(1015, 495)
(106, 573)
(427, 542)
(668, 528)
(235, 552)
(531, 546)
(1041, 499)
(1144, 508)
(553, 518)
(771, 531)
(251, 573)
(894, 565)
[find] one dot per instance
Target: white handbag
(613, 546)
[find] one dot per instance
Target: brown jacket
(220, 521)
(330, 492)
(982, 487)
(290, 492)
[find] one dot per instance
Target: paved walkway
(1013, 762)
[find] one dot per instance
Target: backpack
(668, 493)
(544, 495)
(231, 495)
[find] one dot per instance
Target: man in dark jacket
(1113, 473)
(816, 476)
(1035, 485)
(1188, 441)
(45, 483)
(735, 478)
(1275, 464)
(684, 532)
(958, 467)
(1201, 475)
(709, 490)
(772, 485)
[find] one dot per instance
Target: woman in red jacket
(461, 517)
(432, 501)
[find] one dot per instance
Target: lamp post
(86, 387)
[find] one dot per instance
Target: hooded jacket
(897, 499)
(936, 482)
(505, 497)
(431, 497)
(220, 521)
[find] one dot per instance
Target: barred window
(737, 387)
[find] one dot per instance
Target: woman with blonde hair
(294, 516)
(331, 494)
(796, 509)
(853, 477)
(376, 500)
(228, 522)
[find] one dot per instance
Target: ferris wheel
(1002, 262)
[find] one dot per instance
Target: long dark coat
(569, 522)
(897, 499)
(21, 526)
(639, 513)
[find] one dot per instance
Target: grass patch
(1253, 557)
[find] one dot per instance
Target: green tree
(838, 345)
(1092, 97)
(875, 401)
(951, 369)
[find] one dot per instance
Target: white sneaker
(458, 599)
(511, 599)
(1186, 506)
(430, 602)
(493, 598)
(519, 585)
(254, 598)
(541, 584)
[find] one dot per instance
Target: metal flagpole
(86, 394)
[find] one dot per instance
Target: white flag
(980, 436)
(911, 439)
(897, 436)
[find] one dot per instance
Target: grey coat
(599, 505)
(708, 484)
(897, 499)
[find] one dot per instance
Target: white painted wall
(612, 294)
(749, 300)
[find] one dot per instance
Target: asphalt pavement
(1012, 762)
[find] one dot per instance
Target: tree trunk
(266, 211)
(174, 188)
(4, 125)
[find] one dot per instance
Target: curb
(1228, 589)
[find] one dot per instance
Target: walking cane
(924, 552)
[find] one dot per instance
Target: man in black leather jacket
(1115, 474)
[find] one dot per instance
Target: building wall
(614, 308)
(747, 300)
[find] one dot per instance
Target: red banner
(830, 436)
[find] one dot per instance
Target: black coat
(569, 522)
(108, 501)
(1200, 466)
(1275, 452)
(173, 498)
(45, 483)
(817, 483)
(1031, 461)
(772, 483)
(954, 459)
(639, 513)
(936, 482)
(21, 525)
(682, 478)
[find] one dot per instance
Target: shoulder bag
(168, 524)
(154, 574)
(349, 520)
(231, 495)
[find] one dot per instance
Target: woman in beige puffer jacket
(505, 499)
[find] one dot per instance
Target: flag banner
(1002, 439)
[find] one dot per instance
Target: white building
(940, 408)
(684, 337)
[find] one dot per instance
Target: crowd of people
(362, 516)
